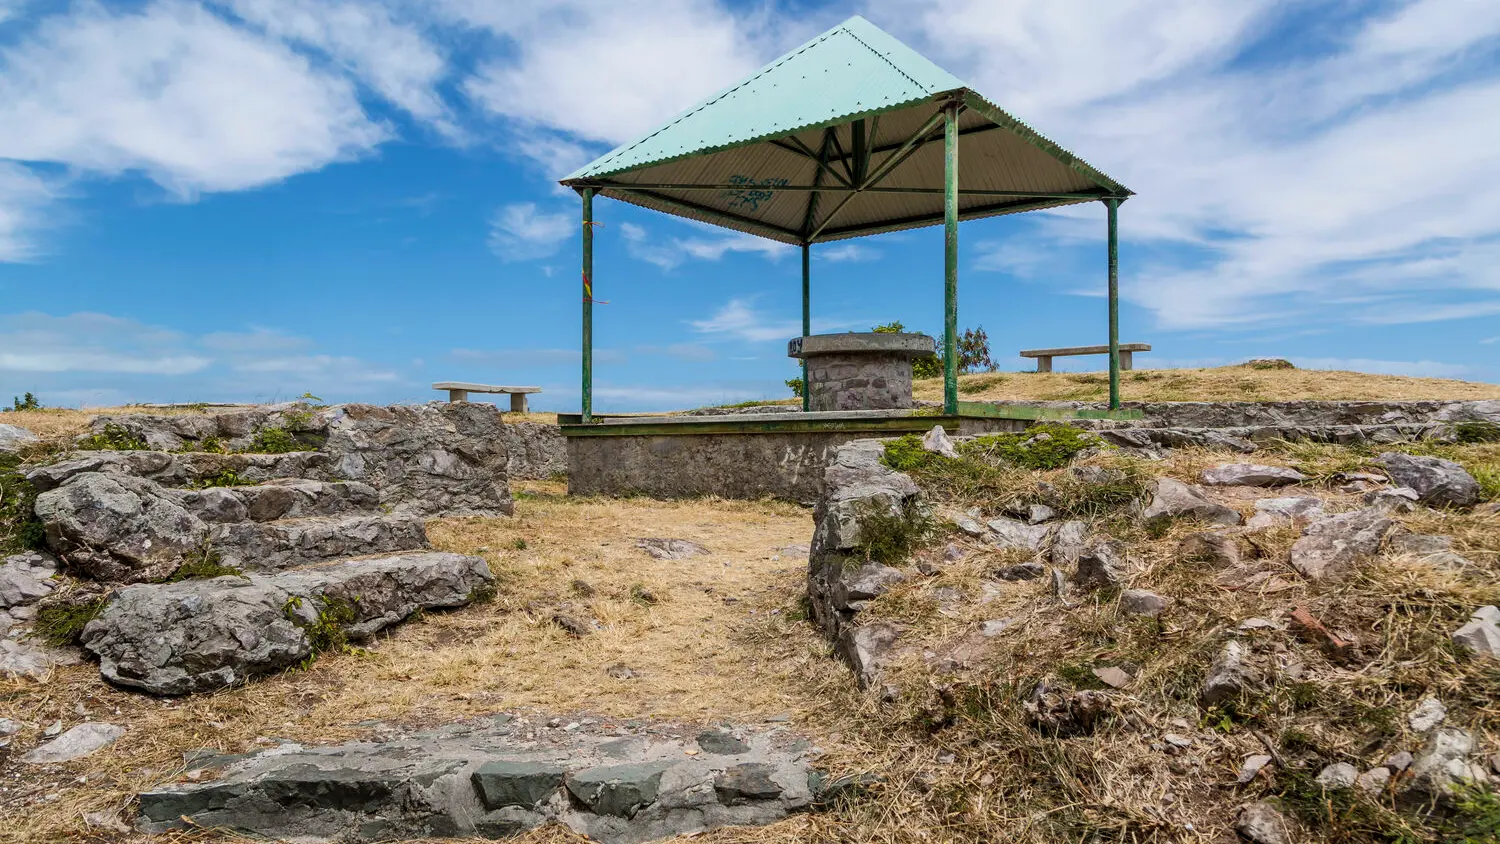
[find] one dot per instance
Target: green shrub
(1489, 481)
(889, 538)
(225, 477)
(1477, 432)
(203, 566)
(27, 402)
(114, 437)
(275, 440)
(330, 631)
(20, 529)
(61, 624)
(1046, 446)
(905, 454)
(797, 386)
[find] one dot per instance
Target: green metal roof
(748, 158)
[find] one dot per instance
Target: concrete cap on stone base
(864, 342)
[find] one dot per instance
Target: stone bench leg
(1127, 360)
(517, 402)
(458, 395)
(1044, 363)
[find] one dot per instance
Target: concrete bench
(1044, 356)
(460, 390)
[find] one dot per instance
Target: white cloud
(1489, 340)
(846, 252)
(93, 343)
(317, 369)
(536, 357)
(1275, 187)
(692, 352)
(518, 232)
(738, 319)
(608, 71)
(391, 57)
(1418, 368)
(26, 200)
(676, 251)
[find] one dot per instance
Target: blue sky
(253, 199)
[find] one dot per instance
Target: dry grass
(688, 651)
(1226, 383)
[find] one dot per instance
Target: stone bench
(1044, 356)
(460, 390)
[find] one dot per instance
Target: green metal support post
(588, 304)
(950, 259)
(806, 318)
(1114, 302)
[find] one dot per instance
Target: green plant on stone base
(275, 440)
(202, 564)
(329, 631)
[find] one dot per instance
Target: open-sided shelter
(851, 134)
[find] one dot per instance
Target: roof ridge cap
(883, 57)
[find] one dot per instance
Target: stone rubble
(1263, 823)
(1174, 499)
(1481, 635)
(1332, 545)
(1251, 474)
(938, 442)
(83, 740)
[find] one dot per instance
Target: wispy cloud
(738, 319)
(519, 232)
(676, 251)
(536, 357)
(1489, 340)
(850, 252)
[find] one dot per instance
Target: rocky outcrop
(118, 528)
(1437, 482)
(287, 543)
(493, 779)
(201, 635)
(14, 438)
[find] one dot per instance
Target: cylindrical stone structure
(859, 371)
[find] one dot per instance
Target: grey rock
(295, 498)
(1332, 545)
(1435, 480)
(1420, 544)
(747, 783)
(1215, 548)
(484, 779)
(1481, 635)
(283, 544)
(618, 790)
(501, 784)
(215, 504)
(1263, 823)
(1251, 766)
(1339, 775)
(866, 649)
(1062, 712)
(1038, 513)
(1230, 676)
(1142, 602)
(1274, 511)
(937, 441)
(1112, 676)
(1442, 764)
(1012, 533)
(26, 578)
(117, 528)
(1101, 566)
(953, 553)
(865, 583)
(1069, 543)
(1429, 713)
(534, 451)
(720, 743)
(32, 661)
(14, 438)
(201, 635)
(9, 727)
(82, 740)
(1398, 762)
(969, 526)
(438, 458)
(670, 549)
(1251, 474)
(1401, 499)
(1373, 782)
(1174, 499)
(1022, 571)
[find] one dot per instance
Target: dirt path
(706, 639)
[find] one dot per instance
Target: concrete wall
(741, 465)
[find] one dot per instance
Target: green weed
(61, 624)
(275, 440)
(202, 566)
(114, 437)
(225, 477)
(20, 529)
(1046, 446)
(888, 538)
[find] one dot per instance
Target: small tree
(796, 386)
(974, 351)
(922, 367)
(28, 402)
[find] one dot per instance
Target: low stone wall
(537, 451)
(744, 466)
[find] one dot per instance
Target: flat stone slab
(494, 778)
(482, 388)
(861, 342)
(278, 545)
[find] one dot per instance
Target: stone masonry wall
(859, 382)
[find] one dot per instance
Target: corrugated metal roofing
(734, 161)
